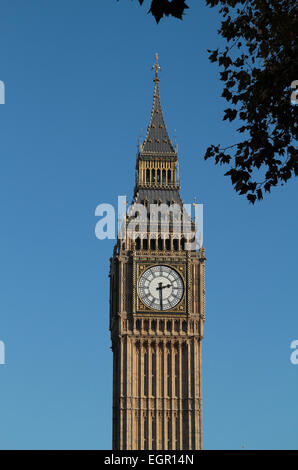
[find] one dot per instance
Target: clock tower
(157, 307)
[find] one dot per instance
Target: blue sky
(78, 92)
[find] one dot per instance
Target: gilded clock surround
(179, 308)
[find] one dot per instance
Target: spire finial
(156, 67)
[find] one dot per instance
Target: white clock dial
(161, 287)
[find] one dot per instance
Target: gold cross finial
(156, 67)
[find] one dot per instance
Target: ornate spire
(157, 141)
(156, 67)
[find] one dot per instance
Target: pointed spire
(157, 141)
(156, 67)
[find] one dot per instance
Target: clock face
(161, 288)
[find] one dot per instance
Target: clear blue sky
(78, 90)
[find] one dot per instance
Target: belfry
(157, 307)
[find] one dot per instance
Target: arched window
(160, 243)
(169, 176)
(169, 435)
(176, 376)
(169, 373)
(145, 374)
(153, 378)
(145, 433)
(153, 433)
(177, 434)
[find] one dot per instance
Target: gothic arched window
(183, 244)
(176, 375)
(169, 373)
(160, 243)
(153, 372)
(145, 374)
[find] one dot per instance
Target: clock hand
(161, 286)
(160, 293)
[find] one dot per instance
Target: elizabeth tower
(157, 309)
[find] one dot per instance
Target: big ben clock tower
(157, 307)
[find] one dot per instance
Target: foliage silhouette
(258, 68)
